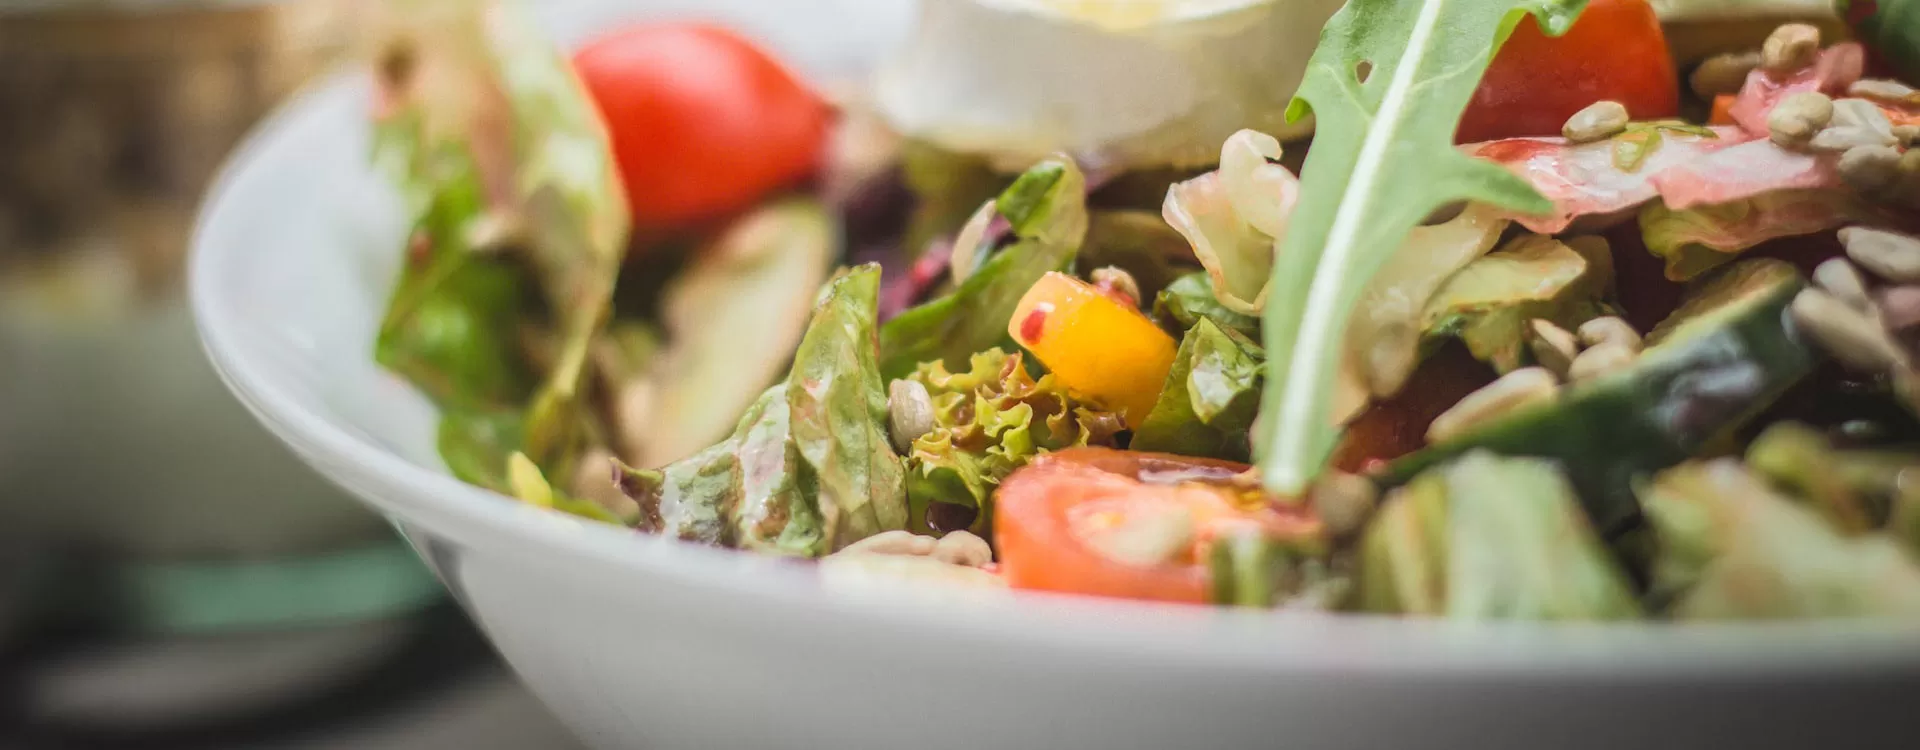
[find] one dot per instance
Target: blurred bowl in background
(136, 499)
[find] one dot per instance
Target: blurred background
(169, 575)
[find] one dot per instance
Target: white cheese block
(1132, 83)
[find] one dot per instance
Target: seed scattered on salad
(1563, 366)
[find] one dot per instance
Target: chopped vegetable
(1489, 304)
(1046, 207)
(1703, 379)
(1489, 538)
(1190, 298)
(735, 316)
(989, 420)
(1131, 525)
(1210, 397)
(703, 121)
(1733, 548)
(1537, 81)
(1097, 346)
(1702, 238)
(1381, 163)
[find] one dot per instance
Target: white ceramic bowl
(638, 642)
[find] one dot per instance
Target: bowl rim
(1139, 631)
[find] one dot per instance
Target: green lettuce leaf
(1733, 548)
(839, 403)
(1210, 399)
(1047, 209)
(1387, 86)
(807, 469)
(989, 420)
(1190, 298)
(1488, 304)
(482, 115)
(1490, 538)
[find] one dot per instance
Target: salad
(1497, 309)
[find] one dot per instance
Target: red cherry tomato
(1396, 426)
(1616, 51)
(703, 122)
(1047, 513)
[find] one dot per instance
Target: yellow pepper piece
(1100, 348)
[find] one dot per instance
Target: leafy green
(735, 315)
(1702, 238)
(947, 186)
(839, 404)
(1490, 538)
(1382, 162)
(1211, 396)
(1732, 548)
(498, 147)
(1232, 217)
(476, 444)
(989, 420)
(1190, 298)
(807, 469)
(1046, 207)
(1488, 304)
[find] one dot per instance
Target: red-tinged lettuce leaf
(1387, 83)
(1702, 238)
(1744, 171)
(1587, 179)
(1836, 69)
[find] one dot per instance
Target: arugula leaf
(1190, 298)
(1211, 396)
(1387, 86)
(839, 404)
(1046, 207)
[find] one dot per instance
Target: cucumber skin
(1659, 413)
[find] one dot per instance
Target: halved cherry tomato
(1616, 51)
(1048, 516)
(703, 122)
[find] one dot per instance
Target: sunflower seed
(1601, 360)
(1344, 501)
(962, 548)
(1513, 391)
(1790, 48)
(1610, 330)
(1843, 281)
(1553, 347)
(1884, 90)
(1797, 118)
(1869, 169)
(910, 414)
(1851, 336)
(1598, 122)
(1723, 74)
(1894, 257)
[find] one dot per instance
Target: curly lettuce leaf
(1210, 399)
(989, 420)
(1387, 86)
(1733, 548)
(1490, 538)
(1046, 207)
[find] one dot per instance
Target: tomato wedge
(1616, 51)
(1055, 521)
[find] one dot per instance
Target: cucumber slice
(1724, 356)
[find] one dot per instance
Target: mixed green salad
(1566, 310)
